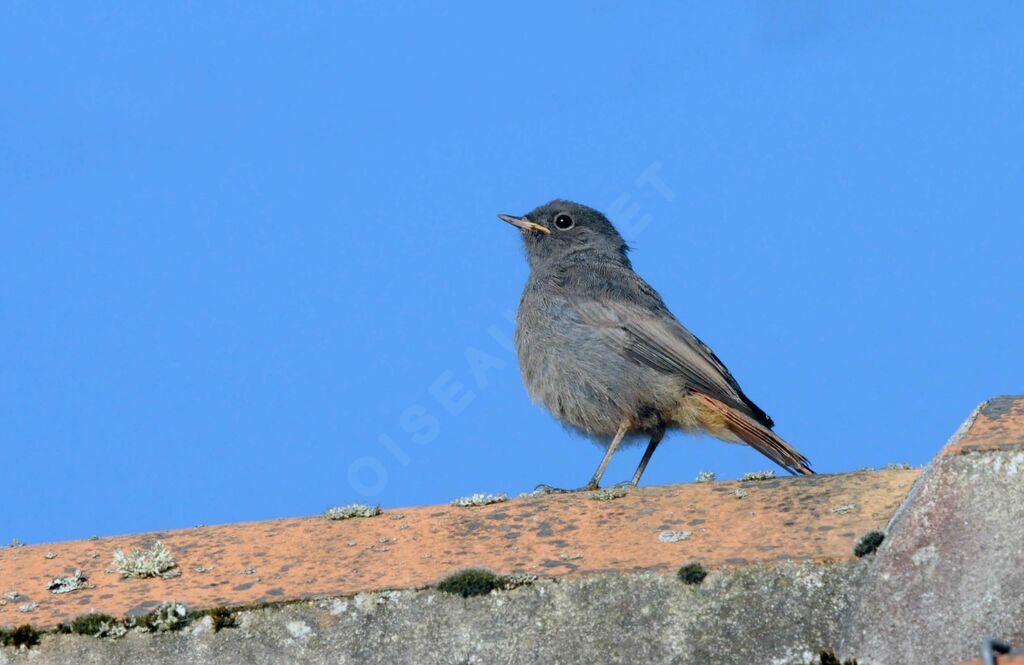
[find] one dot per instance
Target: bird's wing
(633, 314)
(633, 317)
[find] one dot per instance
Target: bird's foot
(543, 490)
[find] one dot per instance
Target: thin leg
(595, 482)
(655, 440)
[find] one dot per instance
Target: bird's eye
(564, 222)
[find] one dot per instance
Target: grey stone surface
(951, 570)
(753, 614)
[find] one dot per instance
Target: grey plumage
(598, 347)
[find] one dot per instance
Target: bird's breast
(578, 372)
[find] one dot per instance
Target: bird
(598, 347)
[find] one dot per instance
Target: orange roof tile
(997, 424)
(656, 529)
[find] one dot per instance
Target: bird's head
(563, 230)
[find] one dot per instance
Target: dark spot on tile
(697, 522)
(999, 407)
(243, 587)
(511, 535)
(737, 561)
(498, 516)
(276, 591)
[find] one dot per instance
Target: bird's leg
(656, 438)
(595, 482)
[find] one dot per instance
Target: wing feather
(649, 333)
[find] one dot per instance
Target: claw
(544, 490)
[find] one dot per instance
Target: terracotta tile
(818, 518)
(998, 424)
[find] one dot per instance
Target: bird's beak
(525, 224)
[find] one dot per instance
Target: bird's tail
(758, 437)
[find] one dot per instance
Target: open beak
(525, 224)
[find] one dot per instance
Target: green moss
(868, 543)
(472, 582)
(22, 636)
(692, 573)
(222, 618)
(168, 617)
(829, 658)
(92, 624)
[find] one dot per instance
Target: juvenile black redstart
(598, 347)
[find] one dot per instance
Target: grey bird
(600, 350)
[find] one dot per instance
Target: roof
(816, 518)
(784, 580)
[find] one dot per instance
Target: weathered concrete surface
(951, 571)
(754, 614)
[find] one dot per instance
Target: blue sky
(250, 265)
